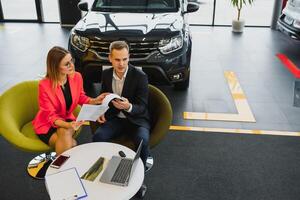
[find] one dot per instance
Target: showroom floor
(251, 57)
(236, 76)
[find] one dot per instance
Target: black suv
(156, 30)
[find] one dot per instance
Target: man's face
(119, 60)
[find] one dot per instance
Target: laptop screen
(138, 151)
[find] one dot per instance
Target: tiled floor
(267, 84)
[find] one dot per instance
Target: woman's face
(66, 65)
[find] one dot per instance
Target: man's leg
(108, 131)
(143, 134)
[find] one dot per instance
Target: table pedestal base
(38, 166)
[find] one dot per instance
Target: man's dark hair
(118, 45)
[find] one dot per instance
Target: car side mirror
(192, 7)
(83, 6)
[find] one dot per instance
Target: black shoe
(142, 192)
(147, 169)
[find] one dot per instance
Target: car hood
(141, 23)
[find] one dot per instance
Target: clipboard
(65, 185)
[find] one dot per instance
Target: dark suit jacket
(136, 90)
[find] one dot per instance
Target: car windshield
(143, 6)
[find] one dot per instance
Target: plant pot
(238, 25)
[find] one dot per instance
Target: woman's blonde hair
(54, 57)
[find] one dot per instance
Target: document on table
(90, 112)
(65, 185)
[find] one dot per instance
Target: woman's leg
(74, 143)
(52, 140)
(62, 140)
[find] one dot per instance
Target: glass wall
(205, 13)
(19, 9)
(50, 10)
(257, 14)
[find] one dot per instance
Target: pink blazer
(52, 105)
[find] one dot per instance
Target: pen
(74, 197)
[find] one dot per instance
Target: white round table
(82, 157)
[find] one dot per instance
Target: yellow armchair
(18, 107)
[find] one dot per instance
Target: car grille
(138, 50)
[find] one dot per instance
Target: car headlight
(80, 42)
(296, 24)
(170, 45)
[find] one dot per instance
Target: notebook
(118, 169)
(65, 184)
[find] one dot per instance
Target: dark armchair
(161, 117)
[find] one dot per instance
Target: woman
(59, 94)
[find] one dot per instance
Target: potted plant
(238, 24)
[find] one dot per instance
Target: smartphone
(119, 99)
(59, 161)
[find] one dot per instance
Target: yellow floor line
(217, 117)
(244, 111)
(228, 130)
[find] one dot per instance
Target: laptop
(118, 169)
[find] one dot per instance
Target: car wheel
(87, 85)
(91, 74)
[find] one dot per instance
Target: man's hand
(101, 119)
(121, 104)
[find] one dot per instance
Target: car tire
(87, 85)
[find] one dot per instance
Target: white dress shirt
(117, 88)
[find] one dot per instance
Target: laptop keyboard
(122, 171)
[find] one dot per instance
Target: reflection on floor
(244, 113)
(251, 56)
(194, 165)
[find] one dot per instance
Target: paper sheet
(110, 97)
(65, 185)
(90, 112)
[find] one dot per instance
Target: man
(130, 115)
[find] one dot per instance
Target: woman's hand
(99, 99)
(75, 125)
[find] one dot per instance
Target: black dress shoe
(142, 192)
(147, 169)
